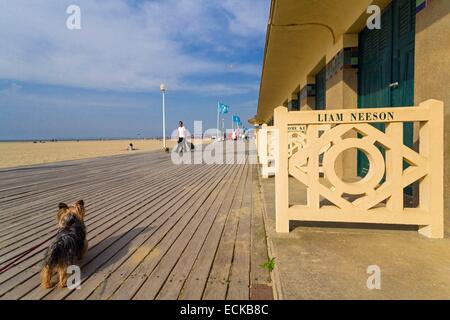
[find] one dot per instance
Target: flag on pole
(223, 108)
(236, 120)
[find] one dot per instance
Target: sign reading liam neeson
(400, 114)
(355, 116)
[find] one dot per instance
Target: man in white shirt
(233, 135)
(181, 137)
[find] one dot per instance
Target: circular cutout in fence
(373, 176)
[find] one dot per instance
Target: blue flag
(223, 108)
(237, 120)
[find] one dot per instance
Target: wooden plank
(149, 236)
(174, 283)
(19, 215)
(133, 283)
(157, 278)
(122, 270)
(239, 278)
(129, 232)
(93, 201)
(259, 252)
(74, 176)
(217, 285)
(105, 210)
(260, 280)
(112, 176)
(96, 239)
(90, 217)
(195, 284)
(60, 198)
(67, 181)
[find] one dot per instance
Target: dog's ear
(80, 203)
(62, 206)
(80, 208)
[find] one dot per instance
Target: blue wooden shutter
(321, 89)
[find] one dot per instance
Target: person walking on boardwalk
(181, 137)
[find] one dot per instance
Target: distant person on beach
(130, 147)
(181, 137)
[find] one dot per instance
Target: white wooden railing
(378, 197)
(266, 150)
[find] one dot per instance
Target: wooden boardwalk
(155, 230)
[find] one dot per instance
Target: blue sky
(103, 80)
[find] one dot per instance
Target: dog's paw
(47, 285)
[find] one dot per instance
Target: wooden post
(281, 174)
(394, 166)
(256, 143)
(260, 148)
(264, 148)
(431, 187)
(313, 195)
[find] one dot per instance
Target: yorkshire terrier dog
(70, 244)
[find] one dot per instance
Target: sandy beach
(15, 154)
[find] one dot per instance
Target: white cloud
(24, 99)
(248, 17)
(121, 47)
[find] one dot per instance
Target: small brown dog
(69, 245)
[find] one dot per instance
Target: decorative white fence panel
(267, 137)
(378, 197)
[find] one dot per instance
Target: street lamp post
(163, 91)
(223, 128)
